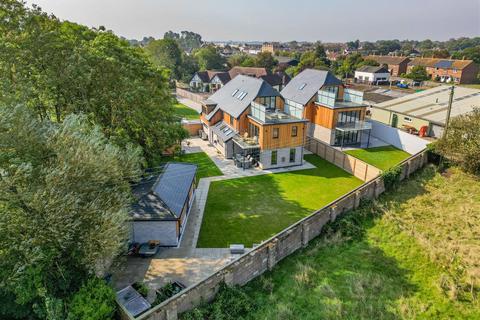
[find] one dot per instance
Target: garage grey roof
(239, 92)
(223, 131)
(163, 197)
(306, 84)
(373, 69)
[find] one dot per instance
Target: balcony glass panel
(327, 96)
(258, 111)
(353, 96)
(294, 109)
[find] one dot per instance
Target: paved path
(189, 103)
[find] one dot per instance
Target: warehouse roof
(432, 104)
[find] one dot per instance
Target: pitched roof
(276, 79)
(163, 197)
(306, 84)
(373, 69)
(224, 77)
(387, 59)
(207, 76)
(238, 93)
(247, 71)
(440, 63)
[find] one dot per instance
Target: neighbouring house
(246, 118)
(202, 81)
(447, 70)
(335, 113)
(426, 109)
(395, 65)
(270, 47)
(286, 62)
(163, 204)
(211, 81)
(372, 75)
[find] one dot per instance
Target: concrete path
(191, 104)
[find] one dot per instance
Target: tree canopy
(65, 195)
(187, 40)
(58, 68)
(417, 73)
(208, 58)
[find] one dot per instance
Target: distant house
(286, 62)
(447, 70)
(163, 205)
(427, 109)
(372, 75)
(211, 81)
(335, 114)
(246, 118)
(395, 65)
(201, 81)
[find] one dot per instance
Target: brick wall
(269, 253)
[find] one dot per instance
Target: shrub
(166, 292)
(94, 301)
(391, 177)
(141, 288)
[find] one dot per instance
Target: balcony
(265, 115)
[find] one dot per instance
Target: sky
(277, 20)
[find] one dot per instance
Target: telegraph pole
(447, 120)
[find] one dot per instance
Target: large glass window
(257, 111)
(292, 155)
(274, 158)
(348, 117)
(269, 102)
(252, 130)
(327, 96)
(353, 96)
(345, 138)
(294, 109)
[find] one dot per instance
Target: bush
(94, 301)
(231, 303)
(141, 288)
(166, 292)
(391, 177)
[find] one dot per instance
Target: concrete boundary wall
(357, 167)
(398, 138)
(269, 253)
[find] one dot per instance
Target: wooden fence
(196, 97)
(269, 253)
(357, 167)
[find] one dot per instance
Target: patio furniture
(149, 249)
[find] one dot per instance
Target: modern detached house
(163, 204)
(335, 113)
(246, 119)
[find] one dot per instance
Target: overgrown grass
(413, 254)
(381, 157)
(186, 112)
(249, 210)
(206, 167)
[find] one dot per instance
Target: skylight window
(243, 95)
(234, 92)
(303, 85)
(239, 94)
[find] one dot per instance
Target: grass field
(185, 112)
(413, 254)
(381, 157)
(206, 167)
(249, 210)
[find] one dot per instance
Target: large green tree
(208, 58)
(58, 68)
(166, 53)
(65, 195)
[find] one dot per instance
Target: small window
(231, 120)
(292, 155)
(275, 133)
(274, 158)
(407, 119)
(294, 131)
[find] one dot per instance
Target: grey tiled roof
(306, 84)
(373, 69)
(229, 102)
(224, 131)
(163, 197)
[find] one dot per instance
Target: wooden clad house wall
(217, 117)
(285, 139)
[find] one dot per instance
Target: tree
(265, 60)
(387, 46)
(208, 58)
(438, 53)
(316, 59)
(166, 53)
(417, 73)
(58, 68)
(472, 53)
(95, 300)
(353, 45)
(236, 59)
(460, 144)
(187, 40)
(65, 196)
(346, 66)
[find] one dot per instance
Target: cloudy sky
(277, 20)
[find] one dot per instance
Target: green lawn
(381, 157)
(413, 254)
(206, 167)
(186, 112)
(249, 210)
